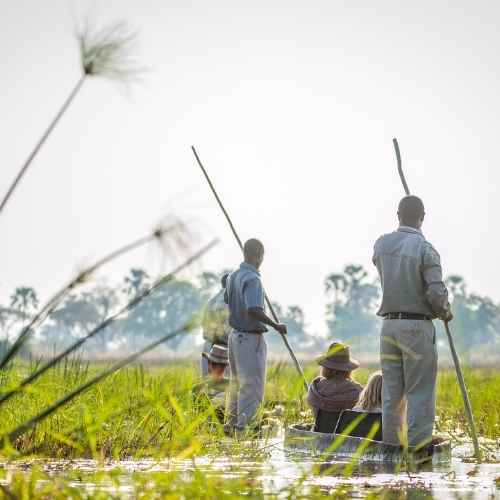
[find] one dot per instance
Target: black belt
(407, 316)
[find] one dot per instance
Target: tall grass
(157, 415)
(148, 411)
(68, 397)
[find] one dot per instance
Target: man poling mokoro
(240, 244)
(247, 346)
(456, 361)
(413, 294)
(419, 302)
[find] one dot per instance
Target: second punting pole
(240, 244)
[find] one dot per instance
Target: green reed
(105, 52)
(149, 410)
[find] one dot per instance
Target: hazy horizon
(292, 108)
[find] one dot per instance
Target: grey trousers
(247, 360)
(408, 357)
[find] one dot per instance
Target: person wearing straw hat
(214, 385)
(215, 323)
(334, 389)
(413, 294)
(247, 347)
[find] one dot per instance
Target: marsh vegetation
(140, 433)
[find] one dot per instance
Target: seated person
(214, 386)
(370, 399)
(334, 390)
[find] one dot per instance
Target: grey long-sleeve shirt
(410, 273)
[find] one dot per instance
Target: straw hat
(217, 354)
(338, 358)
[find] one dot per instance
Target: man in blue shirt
(247, 347)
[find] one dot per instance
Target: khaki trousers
(247, 360)
(408, 357)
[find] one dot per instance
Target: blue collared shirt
(243, 292)
(410, 273)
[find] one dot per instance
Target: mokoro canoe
(300, 437)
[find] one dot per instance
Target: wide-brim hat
(338, 358)
(217, 354)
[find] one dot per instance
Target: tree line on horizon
(352, 299)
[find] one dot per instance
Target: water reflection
(267, 465)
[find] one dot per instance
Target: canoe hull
(300, 437)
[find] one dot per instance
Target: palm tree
(173, 238)
(335, 283)
(110, 320)
(104, 52)
(135, 282)
(25, 300)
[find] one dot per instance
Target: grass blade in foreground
(102, 53)
(133, 303)
(268, 302)
(177, 229)
(13, 435)
(41, 142)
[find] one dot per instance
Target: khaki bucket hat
(338, 358)
(217, 354)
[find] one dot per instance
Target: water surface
(275, 469)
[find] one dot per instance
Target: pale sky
(292, 106)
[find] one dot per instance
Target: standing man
(413, 294)
(215, 324)
(247, 347)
